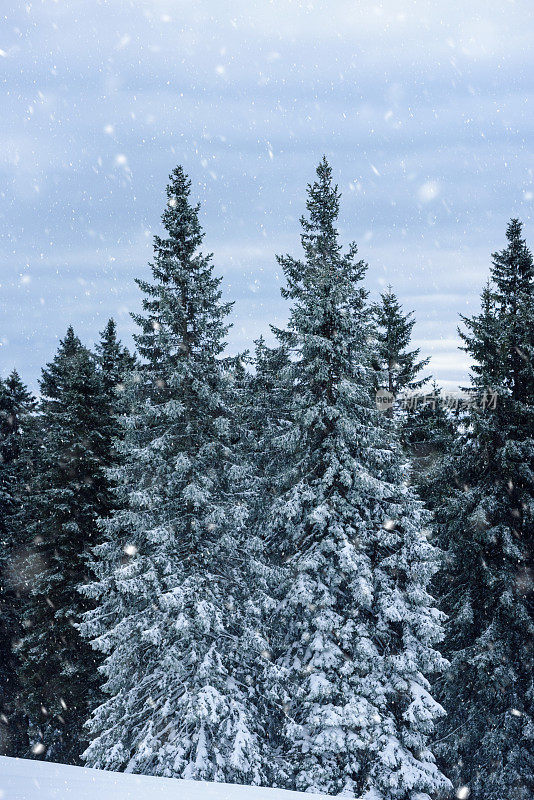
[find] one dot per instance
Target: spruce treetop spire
(180, 218)
(110, 331)
(482, 342)
(512, 274)
(114, 359)
(185, 311)
(70, 343)
(18, 391)
(512, 268)
(58, 375)
(327, 277)
(322, 204)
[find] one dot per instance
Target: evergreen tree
(172, 572)
(485, 526)
(267, 400)
(354, 633)
(115, 361)
(68, 492)
(265, 414)
(425, 427)
(484, 342)
(397, 367)
(16, 407)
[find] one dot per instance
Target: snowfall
(22, 779)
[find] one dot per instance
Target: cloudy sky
(424, 108)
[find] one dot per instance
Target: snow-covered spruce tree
(484, 521)
(68, 492)
(172, 570)
(264, 406)
(353, 640)
(398, 369)
(16, 407)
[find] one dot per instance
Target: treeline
(241, 569)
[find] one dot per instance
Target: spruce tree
(485, 525)
(484, 342)
(267, 402)
(115, 361)
(172, 571)
(16, 407)
(68, 493)
(265, 414)
(398, 367)
(354, 633)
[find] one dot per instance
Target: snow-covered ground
(22, 779)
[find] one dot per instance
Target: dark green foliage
(424, 425)
(115, 361)
(16, 408)
(397, 367)
(67, 496)
(485, 526)
(484, 342)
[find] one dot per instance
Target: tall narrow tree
(67, 494)
(353, 640)
(398, 368)
(485, 525)
(171, 573)
(115, 361)
(16, 407)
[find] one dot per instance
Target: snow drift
(22, 779)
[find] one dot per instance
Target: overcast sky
(424, 108)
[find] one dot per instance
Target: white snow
(22, 779)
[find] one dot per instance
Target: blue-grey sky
(424, 108)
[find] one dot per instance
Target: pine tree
(67, 494)
(353, 638)
(172, 572)
(397, 367)
(485, 526)
(16, 407)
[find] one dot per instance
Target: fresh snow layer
(22, 779)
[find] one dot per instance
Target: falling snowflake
(463, 792)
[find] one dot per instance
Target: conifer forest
(304, 563)
(272, 568)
